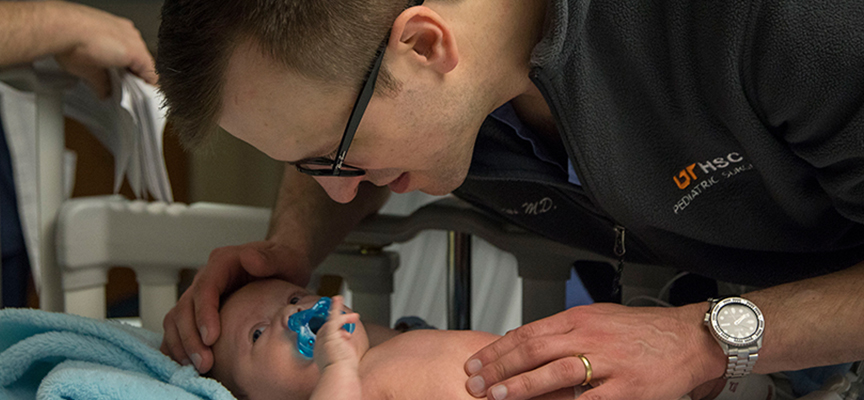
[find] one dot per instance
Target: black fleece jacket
(726, 136)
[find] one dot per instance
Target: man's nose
(341, 190)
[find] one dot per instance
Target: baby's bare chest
(423, 366)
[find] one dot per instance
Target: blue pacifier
(307, 323)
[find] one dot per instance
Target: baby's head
(256, 356)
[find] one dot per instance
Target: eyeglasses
(323, 166)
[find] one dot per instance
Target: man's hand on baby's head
(333, 347)
(192, 326)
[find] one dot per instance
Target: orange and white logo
(688, 175)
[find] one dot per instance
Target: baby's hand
(333, 344)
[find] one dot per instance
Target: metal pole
(458, 281)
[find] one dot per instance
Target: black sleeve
(807, 79)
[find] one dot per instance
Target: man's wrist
(62, 27)
(711, 362)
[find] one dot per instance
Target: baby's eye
(257, 334)
(294, 300)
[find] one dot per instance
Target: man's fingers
(99, 81)
(223, 273)
(512, 339)
(498, 348)
(197, 351)
(182, 320)
(526, 356)
(206, 305)
(142, 63)
(171, 345)
(255, 262)
(564, 372)
(608, 392)
(569, 393)
(145, 70)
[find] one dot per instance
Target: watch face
(737, 321)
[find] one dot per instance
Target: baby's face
(257, 353)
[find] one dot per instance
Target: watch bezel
(728, 339)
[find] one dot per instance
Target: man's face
(257, 353)
(419, 139)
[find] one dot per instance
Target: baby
(256, 356)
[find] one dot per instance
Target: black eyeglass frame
(354, 119)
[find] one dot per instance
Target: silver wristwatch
(737, 324)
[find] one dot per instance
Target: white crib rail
(157, 240)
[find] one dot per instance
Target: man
(722, 138)
(85, 42)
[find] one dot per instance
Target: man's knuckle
(535, 348)
(215, 254)
(576, 314)
(189, 344)
(526, 384)
(168, 321)
(523, 333)
(499, 371)
(568, 369)
(510, 338)
(178, 350)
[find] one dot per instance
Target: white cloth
(18, 113)
(129, 124)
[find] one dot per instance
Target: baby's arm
(337, 358)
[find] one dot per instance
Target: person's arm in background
(305, 227)
(85, 41)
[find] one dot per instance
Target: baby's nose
(286, 313)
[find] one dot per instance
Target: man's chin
(436, 187)
(434, 192)
(440, 190)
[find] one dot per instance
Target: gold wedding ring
(588, 370)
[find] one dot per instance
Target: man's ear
(423, 35)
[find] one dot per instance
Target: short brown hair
(332, 41)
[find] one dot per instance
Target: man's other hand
(101, 41)
(645, 353)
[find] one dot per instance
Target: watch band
(740, 361)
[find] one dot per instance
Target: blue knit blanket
(47, 355)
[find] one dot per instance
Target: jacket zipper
(619, 249)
